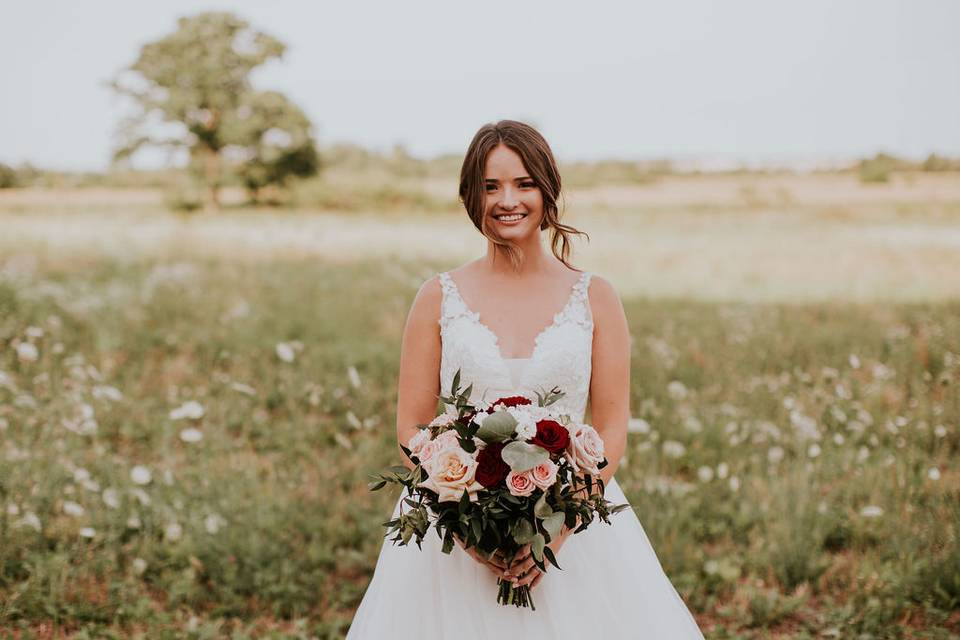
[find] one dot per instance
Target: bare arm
(610, 384)
(419, 379)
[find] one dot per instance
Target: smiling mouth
(507, 217)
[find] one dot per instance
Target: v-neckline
(496, 339)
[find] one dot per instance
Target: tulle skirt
(611, 586)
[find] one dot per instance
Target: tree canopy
(195, 84)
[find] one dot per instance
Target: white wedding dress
(611, 585)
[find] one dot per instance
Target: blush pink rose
(427, 452)
(585, 449)
(450, 472)
(544, 474)
(447, 439)
(520, 484)
(419, 439)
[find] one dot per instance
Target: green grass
(279, 535)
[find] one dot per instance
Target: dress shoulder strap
(579, 308)
(451, 305)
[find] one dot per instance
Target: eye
(528, 185)
(491, 186)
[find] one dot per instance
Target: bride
(518, 320)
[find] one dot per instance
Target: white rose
(585, 450)
(419, 439)
(450, 472)
(447, 417)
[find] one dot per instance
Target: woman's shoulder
(603, 296)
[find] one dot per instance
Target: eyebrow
(515, 179)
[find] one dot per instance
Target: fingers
(523, 571)
(537, 580)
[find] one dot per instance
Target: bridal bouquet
(498, 477)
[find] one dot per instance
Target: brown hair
(539, 162)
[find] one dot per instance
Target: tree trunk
(211, 177)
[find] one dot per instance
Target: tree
(195, 81)
(272, 141)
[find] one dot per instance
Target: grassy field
(190, 405)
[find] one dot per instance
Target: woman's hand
(524, 571)
(497, 564)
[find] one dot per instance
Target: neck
(536, 259)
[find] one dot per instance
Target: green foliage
(273, 139)
(8, 177)
(287, 468)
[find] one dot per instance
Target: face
(512, 200)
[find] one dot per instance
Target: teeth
(510, 218)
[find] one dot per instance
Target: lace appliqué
(561, 356)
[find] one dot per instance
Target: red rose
(491, 469)
(551, 435)
(510, 401)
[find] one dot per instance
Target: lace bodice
(561, 356)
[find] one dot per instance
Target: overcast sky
(684, 78)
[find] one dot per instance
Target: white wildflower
(871, 511)
(863, 453)
(213, 522)
(775, 454)
(722, 470)
(27, 352)
(88, 532)
(353, 376)
(111, 498)
(940, 431)
(813, 450)
(139, 566)
(353, 420)
(140, 475)
(677, 390)
(805, 426)
(72, 508)
(168, 477)
(705, 473)
(191, 435)
(191, 409)
(173, 531)
(33, 332)
(838, 438)
(13, 509)
(106, 392)
(133, 522)
(673, 449)
(245, 389)
(693, 424)
(854, 361)
(31, 520)
(285, 352)
(933, 473)
(638, 425)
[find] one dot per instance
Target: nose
(509, 200)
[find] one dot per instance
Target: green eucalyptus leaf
(497, 427)
(541, 509)
(537, 543)
(523, 532)
(523, 455)
(553, 523)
